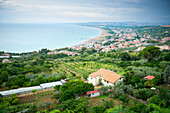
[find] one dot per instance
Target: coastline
(98, 37)
(94, 39)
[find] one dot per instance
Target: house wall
(95, 94)
(95, 81)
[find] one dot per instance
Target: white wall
(95, 81)
(95, 94)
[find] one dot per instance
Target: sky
(75, 11)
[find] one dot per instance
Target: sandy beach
(94, 39)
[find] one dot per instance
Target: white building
(50, 85)
(93, 93)
(19, 91)
(107, 77)
(6, 61)
(25, 90)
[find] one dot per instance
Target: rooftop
(90, 92)
(150, 77)
(107, 75)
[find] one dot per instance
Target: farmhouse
(107, 77)
(93, 93)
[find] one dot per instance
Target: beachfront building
(107, 77)
(93, 93)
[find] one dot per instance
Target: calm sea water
(33, 37)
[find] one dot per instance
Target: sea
(17, 38)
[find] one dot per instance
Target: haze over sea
(33, 37)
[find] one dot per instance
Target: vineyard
(83, 69)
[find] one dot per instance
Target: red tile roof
(90, 92)
(107, 75)
(150, 77)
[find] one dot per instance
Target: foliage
(46, 104)
(140, 85)
(117, 109)
(120, 89)
(103, 90)
(99, 109)
(149, 83)
(70, 89)
(77, 106)
(34, 90)
(124, 98)
(108, 103)
(143, 71)
(143, 93)
(166, 73)
(125, 56)
(151, 52)
(139, 108)
(135, 79)
(164, 96)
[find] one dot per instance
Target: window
(104, 80)
(92, 94)
(107, 81)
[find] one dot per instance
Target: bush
(124, 98)
(137, 64)
(47, 104)
(140, 85)
(99, 109)
(143, 93)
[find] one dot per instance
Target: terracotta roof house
(150, 77)
(107, 77)
(93, 93)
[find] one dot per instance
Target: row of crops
(83, 69)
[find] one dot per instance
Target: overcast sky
(66, 11)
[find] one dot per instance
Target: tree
(33, 91)
(124, 98)
(139, 108)
(166, 73)
(164, 96)
(135, 79)
(99, 109)
(68, 94)
(57, 87)
(154, 99)
(149, 83)
(103, 90)
(151, 52)
(125, 56)
(117, 109)
(108, 103)
(140, 85)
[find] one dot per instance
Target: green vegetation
(132, 95)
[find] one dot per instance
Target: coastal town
(123, 38)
